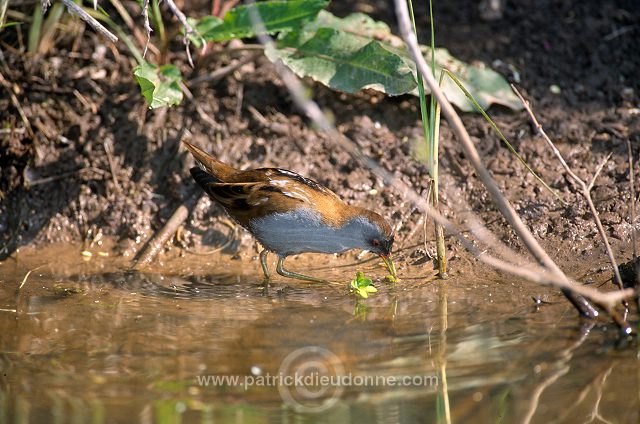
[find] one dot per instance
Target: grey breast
(302, 230)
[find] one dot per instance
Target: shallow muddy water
(203, 342)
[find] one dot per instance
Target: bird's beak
(389, 264)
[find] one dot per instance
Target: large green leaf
(357, 24)
(343, 61)
(159, 85)
(276, 16)
(487, 86)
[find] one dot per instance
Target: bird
(290, 214)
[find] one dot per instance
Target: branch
(147, 25)
(187, 27)
(74, 9)
(584, 187)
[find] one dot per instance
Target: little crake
(290, 214)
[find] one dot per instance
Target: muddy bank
(93, 161)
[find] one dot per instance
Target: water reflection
(128, 346)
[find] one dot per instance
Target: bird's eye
(375, 242)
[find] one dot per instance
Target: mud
(100, 164)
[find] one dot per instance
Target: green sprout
(361, 285)
(391, 279)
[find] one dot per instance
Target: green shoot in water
(361, 285)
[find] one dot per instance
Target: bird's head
(377, 236)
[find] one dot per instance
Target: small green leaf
(362, 286)
(276, 16)
(159, 85)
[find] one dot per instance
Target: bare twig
(112, 166)
(632, 208)
(220, 73)
(153, 246)
(16, 103)
(26, 276)
(145, 39)
(203, 115)
(147, 25)
(3, 12)
(77, 10)
(534, 273)
(584, 187)
(187, 27)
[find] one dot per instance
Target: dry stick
(536, 274)
(632, 209)
(632, 212)
(187, 27)
(153, 246)
(203, 115)
(220, 73)
(128, 20)
(77, 10)
(112, 167)
(584, 187)
(472, 155)
(26, 276)
(147, 25)
(16, 103)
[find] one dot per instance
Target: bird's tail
(203, 178)
(218, 170)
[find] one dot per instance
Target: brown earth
(94, 161)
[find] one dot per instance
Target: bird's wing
(259, 192)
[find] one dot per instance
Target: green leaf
(360, 25)
(363, 293)
(276, 16)
(201, 27)
(362, 286)
(343, 61)
(486, 85)
(159, 85)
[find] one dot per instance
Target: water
(92, 342)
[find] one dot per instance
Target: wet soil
(91, 169)
(94, 161)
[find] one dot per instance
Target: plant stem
(35, 28)
(431, 129)
(441, 252)
(157, 17)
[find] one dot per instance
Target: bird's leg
(263, 262)
(280, 270)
